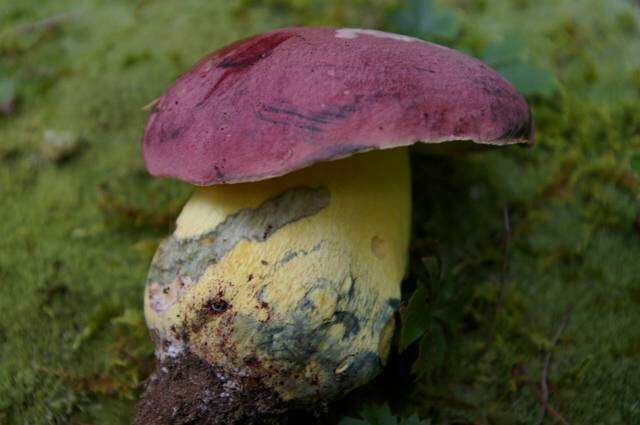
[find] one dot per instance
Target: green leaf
(432, 351)
(379, 415)
(510, 57)
(415, 420)
(426, 19)
(415, 318)
(635, 163)
(352, 421)
(433, 267)
(444, 24)
(510, 50)
(529, 79)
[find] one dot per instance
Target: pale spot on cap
(351, 33)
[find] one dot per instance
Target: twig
(149, 106)
(545, 368)
(504, 277)
(550, 409)
(46, 23)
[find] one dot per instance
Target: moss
(76, 236)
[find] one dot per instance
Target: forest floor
(543, 312)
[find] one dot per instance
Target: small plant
(428, 316)
(510, 57)
(435, 22)
(635, 163)
(426, 19)
(381, 415)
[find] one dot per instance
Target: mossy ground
(77, 231)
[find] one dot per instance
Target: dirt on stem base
(187, 390)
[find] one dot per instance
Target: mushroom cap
(281, 101)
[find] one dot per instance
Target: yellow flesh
(359, 239)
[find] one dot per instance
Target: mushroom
(279, 286)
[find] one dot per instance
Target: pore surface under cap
(280, 101)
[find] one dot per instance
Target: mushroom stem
(285, 288)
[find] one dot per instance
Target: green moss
(76, 236)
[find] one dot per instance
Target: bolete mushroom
(279, 285)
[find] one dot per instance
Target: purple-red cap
(281, 101)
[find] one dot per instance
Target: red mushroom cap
(280, 101)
